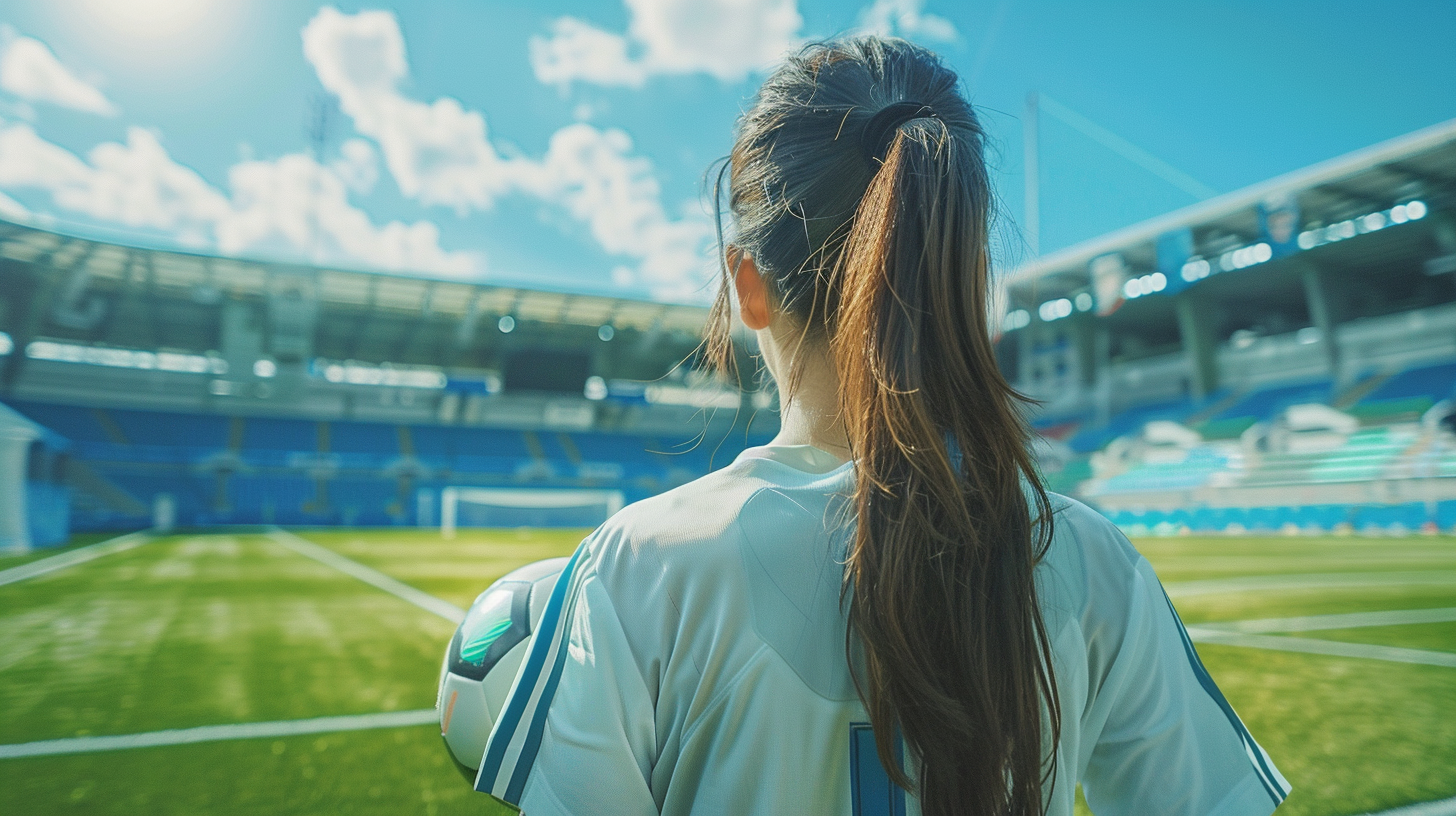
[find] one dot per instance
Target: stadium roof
(94, 293)
(1418, 165)
(207, 277)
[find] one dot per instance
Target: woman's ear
(752, 293)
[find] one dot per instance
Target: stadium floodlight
(595, 388)
(1084, 302)
(355, 373)
(1016, 319)
(6, 344)
(1145, 285)
(1370, 222)
(265, 368)
(507, 324)
(606, 332)
(700, 396)
(1054, 310)
(111, 357)
(1196, 269)
(524, 507)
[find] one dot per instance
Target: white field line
(215, 733)
(1353, 620)
(373, 577)
(1443, 807)
(1214, 586)
(73, 557)
(1285, 643)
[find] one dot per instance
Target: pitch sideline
(1334, 648)
(368, 575)
(81, 555)
(1348, 620)
(1294, 581)
(218, 733)
(1440, 807)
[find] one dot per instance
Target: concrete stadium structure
(1274, 358)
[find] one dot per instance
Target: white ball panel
(470, 719)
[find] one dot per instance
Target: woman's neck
(809, 412)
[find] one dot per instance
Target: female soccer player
(884, 599)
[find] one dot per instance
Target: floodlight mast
(1031, 161)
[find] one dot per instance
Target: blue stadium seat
(73, 422)
(1436, 382)
(1266, 402)
(168, 428)
(274, 478)
(375, 438)
(262, 434)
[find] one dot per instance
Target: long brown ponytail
(885, 259)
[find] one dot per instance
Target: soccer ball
(483, 657)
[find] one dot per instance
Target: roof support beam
(1195, 325)
(1317, 301)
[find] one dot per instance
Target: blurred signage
(1174, 249)
(1109, 275)
(546, 371)
(1279, 224)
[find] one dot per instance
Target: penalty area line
(1349, 620)
(1333, 648)
(1441, 807)
(368, 575)
(218, 733)
(80, 555)
(1283, 582)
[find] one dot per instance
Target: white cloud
(727, 39)
(906, 18)
(357, 165)
(593, 174)
(579, 51)
(297, 203)
(134, 184)
(12, 210)
(290, 205)
(30, 70)
(439, 153)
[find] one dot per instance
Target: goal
(524, 507)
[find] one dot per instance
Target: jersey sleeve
(577, 732)
(1169, 742)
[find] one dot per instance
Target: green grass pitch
(209, 629)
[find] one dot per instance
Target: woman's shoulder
(686, 528)
(1088, 560)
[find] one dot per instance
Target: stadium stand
(1303, 381)
(1412, 391)
(293, 471)
(1266, 402)
(1316, 366)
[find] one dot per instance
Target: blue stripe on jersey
(532, 744)
(1261, 766)
(872, 793)
(505, 729)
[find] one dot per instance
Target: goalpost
(525, 507)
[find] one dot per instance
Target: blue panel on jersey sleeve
(871, 791)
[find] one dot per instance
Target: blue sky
(563, 144)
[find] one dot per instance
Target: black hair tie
(879, 131)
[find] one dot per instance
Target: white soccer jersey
(691, 661)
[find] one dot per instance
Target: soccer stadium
(245, 504)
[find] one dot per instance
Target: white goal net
(524, 507)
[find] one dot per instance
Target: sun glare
(154, 34)
(151, 20)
